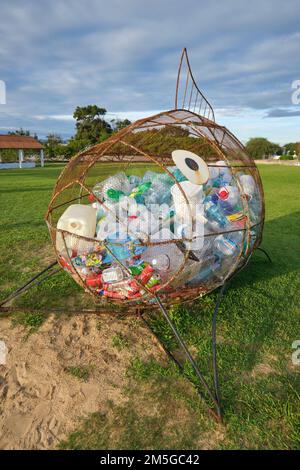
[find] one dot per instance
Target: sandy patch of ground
(39, 401)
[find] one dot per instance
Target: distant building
(19, 143)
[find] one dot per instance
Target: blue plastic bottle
(213, 214)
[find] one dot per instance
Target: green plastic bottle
(141, 189)
(114, 194)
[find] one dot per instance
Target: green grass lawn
(258, 323)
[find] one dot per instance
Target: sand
(40, 403)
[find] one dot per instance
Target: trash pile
(185, 226)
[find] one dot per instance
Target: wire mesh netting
(172, 204)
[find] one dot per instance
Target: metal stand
(212, 393)
(266, 254)
(37, 279)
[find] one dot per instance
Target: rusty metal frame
(189, 76)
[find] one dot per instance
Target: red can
(94, 281)
(146, 274)
(64, 263)
(134, 286)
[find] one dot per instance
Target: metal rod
(214, 349)
(187, 353)
(27, 284)
(266, 254)
(63, 311)
(171, 356)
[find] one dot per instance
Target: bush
(286, 157)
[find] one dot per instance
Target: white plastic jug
(80, 220)
(194, 196)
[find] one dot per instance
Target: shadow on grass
(281, 240)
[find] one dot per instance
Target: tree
(90, 125)
(20, 131)
(119, 124)
(53, 145)
(291, 148)
(259, 147)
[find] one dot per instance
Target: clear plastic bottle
(207, 270)
(229, 244)
(164, 252)
(161, 262)
(248, 185)
(221, 171)
(118, 183)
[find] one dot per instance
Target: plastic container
(194, 195)
(80, 220)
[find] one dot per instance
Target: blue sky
(123, 55)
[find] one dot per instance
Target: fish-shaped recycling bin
(170, 205)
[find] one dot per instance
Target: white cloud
(124, 55)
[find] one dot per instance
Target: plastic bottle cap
(223, 194)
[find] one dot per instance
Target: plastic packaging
(229, 199)
(113, 274)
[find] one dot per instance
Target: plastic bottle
(213, 214)
(228, 245)
(149, 176)
(229, 198)
(122, 247)
(159, 193)
(95, 281)
(140, 190)
(176, 173)
(118, 182)
(212, 197)
(207, 270)
(220, 173)
(141, 222)
(161, 262)
(114, 194)
(255, 209)
(134, 180)
(248, 185)
(161, 251)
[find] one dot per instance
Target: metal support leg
(214, 348)
(33, 281)
(212, 394)
(266, 254)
